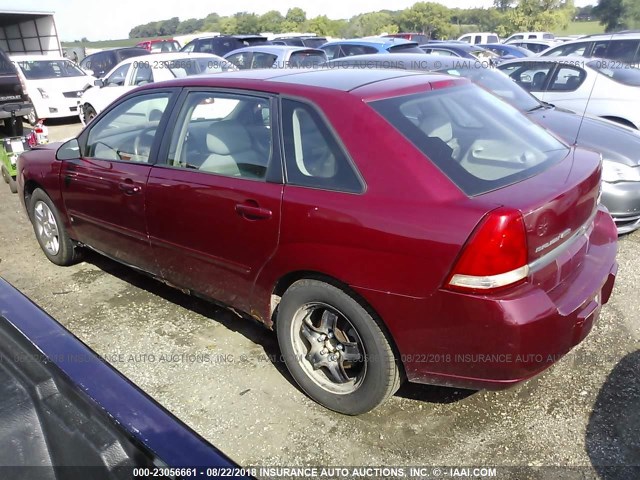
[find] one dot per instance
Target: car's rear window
(410, 48)
(314, 42)
(311, 58)
(626, 74)
(478, 141)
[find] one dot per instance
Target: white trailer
(24, 32)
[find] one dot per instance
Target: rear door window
(567, 79)
(622, 50)
(242, 60)
(263, 60)
(530, 76)
(349, 50)
(313, 156)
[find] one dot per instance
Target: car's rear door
(104, 190)
(213, 208)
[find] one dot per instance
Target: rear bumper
(473, 341)
(622, 199)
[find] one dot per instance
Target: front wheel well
(29, 187)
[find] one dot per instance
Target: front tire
(50, 230)
(337, 352)
(89, 114)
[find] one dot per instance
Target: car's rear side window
(405, 49)
(313, 156)
(478, 141)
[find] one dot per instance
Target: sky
(113, 19)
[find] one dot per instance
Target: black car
(13, 96)
(222, 44)
(300, 41)
(102, 62)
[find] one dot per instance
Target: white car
(521, 36)
(137, 71)
(596, 87)
(54, 85)
(479, 37)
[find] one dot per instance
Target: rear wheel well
(290, 278)
(622, 121)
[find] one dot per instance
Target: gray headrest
(227, 138)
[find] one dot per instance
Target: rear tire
(5, 175)
(13, 185)
(32, 118)
(50, 230)
(337, 352)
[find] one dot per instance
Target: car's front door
(104, 190)
(213, 208)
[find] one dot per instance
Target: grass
(582, 28)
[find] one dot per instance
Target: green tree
(367, 24)
(211, 23)
(190, 25)
(537, 15)
(502, 5)
(432, 19)
(296, 16)
(247, 22)
(611, 14)
(228, 25)
(271, 21)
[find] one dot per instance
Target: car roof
(275, 49)
(26, 58)
(387, 82)
(159, 57)
(377, 41)
(569, 60)
(461, 45)
(633, 35)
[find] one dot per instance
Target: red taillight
(495, 256)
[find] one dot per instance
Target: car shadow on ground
(250, 329)
(613, 433)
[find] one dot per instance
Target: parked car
(624, 47)
(521, 36)
(160, 45)
(222, 44)
(619, 146)
(67, 412)
(535, 46)
(506, 52)
(54, 85)
(300, 41)
(453, 49)
(601, 88)
(136, 71)
(276, 56)
(414, 37)
(483, 238)
(98, 64)
(480, 37)
(13, 93)
(362, 46)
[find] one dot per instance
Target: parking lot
(221, 375)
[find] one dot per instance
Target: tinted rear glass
(478, 141)
(411, 48)
(124, 54)
(306, 59)
(314, 42)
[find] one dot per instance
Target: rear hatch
(11, 90)
(557, 204)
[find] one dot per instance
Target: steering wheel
(143, 142)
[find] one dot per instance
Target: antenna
(586, 106)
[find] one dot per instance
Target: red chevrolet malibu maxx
(388, 225)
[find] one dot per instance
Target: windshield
(43, 69)
(499, 84)
(627, 74)
(479, 142)
(483, 54)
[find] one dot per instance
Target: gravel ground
(215, 372)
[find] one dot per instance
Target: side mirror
(99, 83)
(69, 150)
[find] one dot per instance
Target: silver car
(276, 56)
